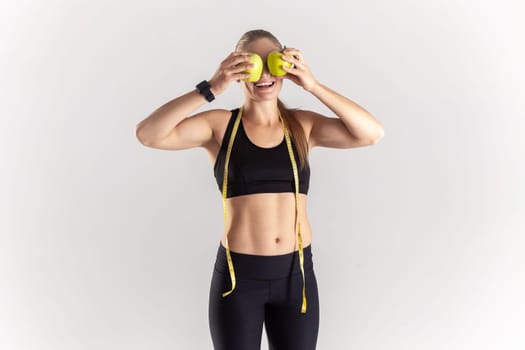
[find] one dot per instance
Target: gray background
(418, 241)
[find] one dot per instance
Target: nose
(266, 71)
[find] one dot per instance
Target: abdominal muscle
(263, 223)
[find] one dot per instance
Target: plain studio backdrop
(418, 240)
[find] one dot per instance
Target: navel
(277, 240)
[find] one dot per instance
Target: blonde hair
(296, 130)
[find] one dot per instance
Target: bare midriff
(263, 223)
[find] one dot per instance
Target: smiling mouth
(265, 84)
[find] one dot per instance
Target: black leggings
(269, 290)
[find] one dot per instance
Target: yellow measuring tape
(224, 192)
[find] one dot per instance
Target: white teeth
(264, 84)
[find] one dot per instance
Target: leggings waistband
(263, 267)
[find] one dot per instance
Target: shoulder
(215, 118)
(305, 117)
(212, 115)
(218, 120)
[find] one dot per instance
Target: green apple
(256, 70)
(275, 63)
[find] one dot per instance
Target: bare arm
(354, 127)
(169, 126)
(163, 122)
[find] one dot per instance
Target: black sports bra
(254, 169)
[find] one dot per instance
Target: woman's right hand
(231, 68)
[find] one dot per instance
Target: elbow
(379, 135)
(139, 135)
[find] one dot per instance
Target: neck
(261, 112)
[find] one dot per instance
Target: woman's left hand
(299, 73)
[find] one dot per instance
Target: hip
(264, 267)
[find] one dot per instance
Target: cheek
(246, 88)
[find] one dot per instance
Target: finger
(231, 56)
(293, 58)
(240, 53)
(241, 76)
(296, 63)
(296, 54)
(292, 70)
(291, 76)
(237, 59)
(292, 51)
(240, 67)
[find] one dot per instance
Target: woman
(263, 271)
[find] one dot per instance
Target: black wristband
(204, 90)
